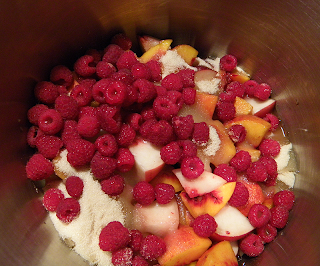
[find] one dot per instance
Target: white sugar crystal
(213, 142)
(283, 157)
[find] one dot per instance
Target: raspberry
(161, 91)
(82, 94)
(127, 60)
(267, 233)
(69, 131)
(250, 87)
(272, 169)
(135, 240)
(187, 77)
(122, 41)
(50, 122)
(88, 110)
(257, 172)
(102, 166)
(134, 120)
(52, 198)
(143, 193)
(139, 261)
(227, 96)
(85, 66)
(99, 90)
(35, 112)
(33, 134)
(200, 134)
(88, 126)
(61, 75)
(88, 82)
(225, 111)
(189, 96)
(126, 135)
(110, 119)
(74, 186)
(241, 161)
(46, 92)
(122, 257)
(175, 97)
(279, 216)
(38, 167)
(113, 186)
(240, 195)
(123, 75)
(171, 153)
(113, 237)
(164, 108)
(80, 152)
(105, 69)
(192, 167)
(284, 198)
(259, 215)
(252, 245)
(227, 172)
(95, 54)
(183, 126)
(263, 92)
(67, 107)
(62, 90)
(140, 71)
(164, 193)
(228, 62)
(273, 120)
(172, 82)
(125, 160)
(49, 146)
(237, 133)
(188, 149)
(68, 209)
(146, 90)
(236, 88)
(148, 113)
(155, 70)
(269, 147)
(116, 93)
(204, 225)
(152, 247)
(112, 53)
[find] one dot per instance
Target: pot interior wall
(275, 41)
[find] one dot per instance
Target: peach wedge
(155, 52)
(187, 52)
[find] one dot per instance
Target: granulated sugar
(213, 142)
(97, 210)
(209, 86)
(283, 157)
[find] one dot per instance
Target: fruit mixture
(160, 159)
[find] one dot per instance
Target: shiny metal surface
(276, 41)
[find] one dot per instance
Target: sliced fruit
(146, 42)
(242, 106)
(239, 76)
(245, 146)
(187, 52)
(155, 52)
(168, 177)
(206, 103)
(261, 108)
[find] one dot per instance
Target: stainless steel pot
(276, 41)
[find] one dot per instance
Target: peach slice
(239, 76)
(220, 254)
(185, 217)
(242, 106)
(206, 103)
(256, 127)
(183, 247)
(146, 42)
(245, 146)
(210, 203)
(168, 177)
(261, 108)
(187, 52)
(155, 52)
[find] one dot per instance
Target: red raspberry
(33, 134)
(187, 77)
(279, 216)
(85, 66)
(227, 172)
(112, 53)
(284, 198)
(183, 126)
(267, 233)
(99, 90)
(269, 147)
(189, 96)
(52, 198)
(110, 119)
(143, 193)
(124, 75)
(134, 120)
(61, 75)
(257, 172)
(228, 96)
(240, 195)
(175, 97)
(148, 113)
(228, 62)
(188, 149)
(273, 120)
(88, 82)
(141, 71)
(161, 91)
(241, 161)
(97, 55)
(172, 82)
(125, 160)
(236, 88)
(263, 92)
(200, 134)
(164, 193)
(146, 90)
(164, 108)
(250, 87)
(171, 153)
(155, 70)
(192, 168)
(126, 135)
(105, 69)
(139, 261)
(127, 60)
(122, 41)
(116, 93)
(259, 215)
(46, 92)
(49, 146)
(69, 131)
(122, 257)
(136, 238)
(113, 186)
(225, 111)
(38, 167)
(88, 110)
(131, 98)
(237, 133)
(106, 145)
(252, 245)
(204, 225)
(152, 247)
(67, 107)
(68, 209)
(272, 169)
(50, 122)
(82, 94)
(74, 186)
(80, 152)
(102, 166)
(113, 237)
(88, 126)
(35, 112)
